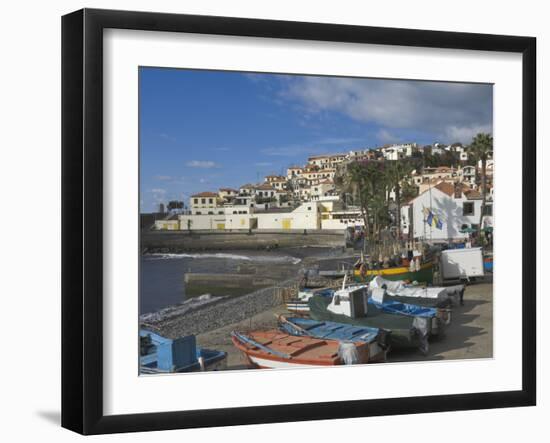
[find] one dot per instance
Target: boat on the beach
(274, 349)
(410, 325)
(431, 296)
(300, 304)
(377, 339)
(421, 273)
(159, 354)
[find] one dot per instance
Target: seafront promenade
(181, 241)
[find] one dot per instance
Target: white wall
(450, 211)
(31, 97)
(201, 222)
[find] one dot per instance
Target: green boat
(350, 305)
(423, 275)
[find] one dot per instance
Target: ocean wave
(221, 255)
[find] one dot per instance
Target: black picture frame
(82, 218)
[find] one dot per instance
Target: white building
(206, 203)
(398, 151)
(227, 194)
(322, 189)
(456, 206)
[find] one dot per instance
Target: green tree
(481, 149)
(365, 182)
(395, 173)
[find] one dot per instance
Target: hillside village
(438, 196)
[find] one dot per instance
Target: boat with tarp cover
(274, 349)
(377, 339)
(421, 295)
(410, 325)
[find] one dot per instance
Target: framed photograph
(268, 221)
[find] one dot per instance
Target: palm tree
(397, 171)
(481, 149)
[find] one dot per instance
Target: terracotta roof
(205, 194)
(264, 187)
(472, 194)
(227, 190)
(446, 187)
(313, 157)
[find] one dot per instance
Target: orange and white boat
(274, 349)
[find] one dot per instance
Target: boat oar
(281, 318)
(248, 340)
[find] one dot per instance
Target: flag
(433, 220)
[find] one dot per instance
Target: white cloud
(163, 177)
(203, 164)
(158, 191)
(168, 137)
(465, 134)
(429, 107)
(386, 136)
(321, 146)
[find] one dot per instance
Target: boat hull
(423, 275)
(403, 330)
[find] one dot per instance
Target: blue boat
(407, 309)
(376, 338)
(159, 354)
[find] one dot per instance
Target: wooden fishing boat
(423, 275)
(410, 325)
(274, 349)
(377, 339)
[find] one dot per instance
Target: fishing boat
(377, 339)
(274, 349)
(410, 325)
(433, 296)
(159, 354)
(300, 304)
(421, 273)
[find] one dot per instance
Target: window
(488, 210)
(203, 201)
(196, 201)
(210, 213)
(198, 212)
(220, 212)
(468, 208)
(210, 201)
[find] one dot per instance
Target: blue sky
(202, 130)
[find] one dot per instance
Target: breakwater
(220, 312)
(180, 241)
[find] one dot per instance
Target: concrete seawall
(220, 313)
(178, 241)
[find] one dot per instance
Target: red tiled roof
(446, 187)
(205, 194)
(227, 190)
(264, 187)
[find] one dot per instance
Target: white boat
(436, 296)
